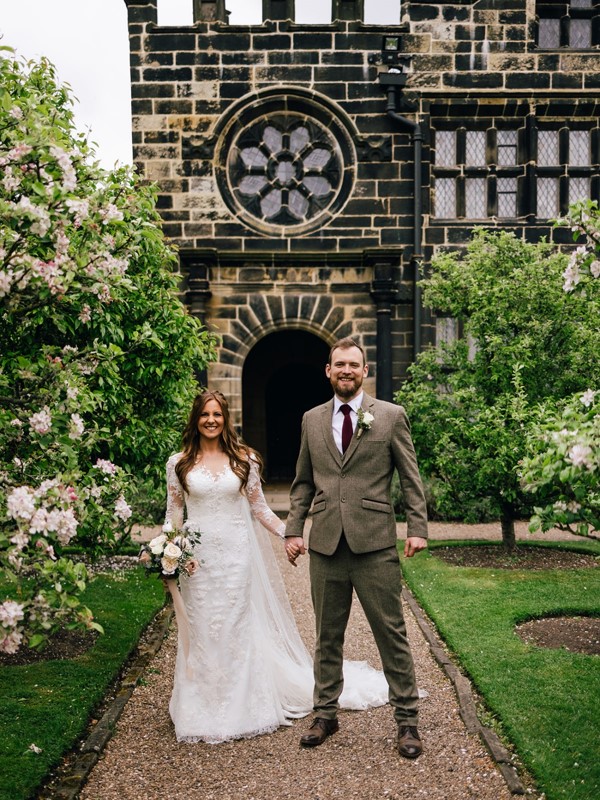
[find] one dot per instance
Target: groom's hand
(413, 544)
(294, 547)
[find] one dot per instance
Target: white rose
(168, 565)
(157, 544)
(167, 527)
(368, 418)
(172, 551)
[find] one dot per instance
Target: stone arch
(283, 376)
(273, 370)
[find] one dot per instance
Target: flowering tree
(562, 467)
(562, 463)
(97, 354)
(474, 402)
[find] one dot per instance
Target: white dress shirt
(338, 417)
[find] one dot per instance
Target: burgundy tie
(346, 427)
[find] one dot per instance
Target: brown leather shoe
(409, 744)
(319, 731)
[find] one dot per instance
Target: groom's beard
(346, 389)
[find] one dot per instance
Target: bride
(242, 668)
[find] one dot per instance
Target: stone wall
(257, 257)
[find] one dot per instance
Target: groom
(349, 450)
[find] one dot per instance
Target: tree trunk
(508, 530)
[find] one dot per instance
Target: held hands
(294, 547)
(413, 544)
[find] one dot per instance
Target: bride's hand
(294, 547)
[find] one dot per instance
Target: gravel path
(144, 762)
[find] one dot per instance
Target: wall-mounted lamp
(390, 50)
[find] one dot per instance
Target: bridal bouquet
(171, 554)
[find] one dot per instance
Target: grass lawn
(546, 701)
(49, 703)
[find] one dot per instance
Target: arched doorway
(283, 376)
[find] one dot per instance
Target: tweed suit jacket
(351, 493)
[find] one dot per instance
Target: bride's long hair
(239, 454)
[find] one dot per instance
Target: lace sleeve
(175, 495)
(258, 504)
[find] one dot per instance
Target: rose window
(284, 171)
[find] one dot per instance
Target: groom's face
(346, 372)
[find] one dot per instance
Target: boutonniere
(365, 420)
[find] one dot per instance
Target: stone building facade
(308, 172)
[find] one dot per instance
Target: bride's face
(211, 422)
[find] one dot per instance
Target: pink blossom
(64, 162)
(579, 455)
(10, 644)
(106, 466)
(122, 509)
(10, 180)
(6, 280)
(111, 212)
(15, 113)
(102, 291)
(40, 522)
(21, 540)
(18, 152)
(40, 215)
(77, 427)
(85, 314)
(20, 503)
(46, 486)
(42, 421)
(11, 613)
(15, 561)
(587, 398)
(67, 526)
(70, 494)
(595, 269)
(16, 423)
(61, 242)
(50, 273)
(80, 208)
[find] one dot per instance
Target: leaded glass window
(507, 148)
(475, 198)
(579, 189)
(548, 198)
(445, 198)
(465, 160)
(567, 24)
(580, 33)
(446, 330)
(565, 166)
(475, 149)
(548, 155)
(579, 148)
(507, 197)
(445, 148)
(549, 34)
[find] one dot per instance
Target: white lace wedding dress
(247, 670)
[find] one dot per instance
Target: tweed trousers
(375, 576)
